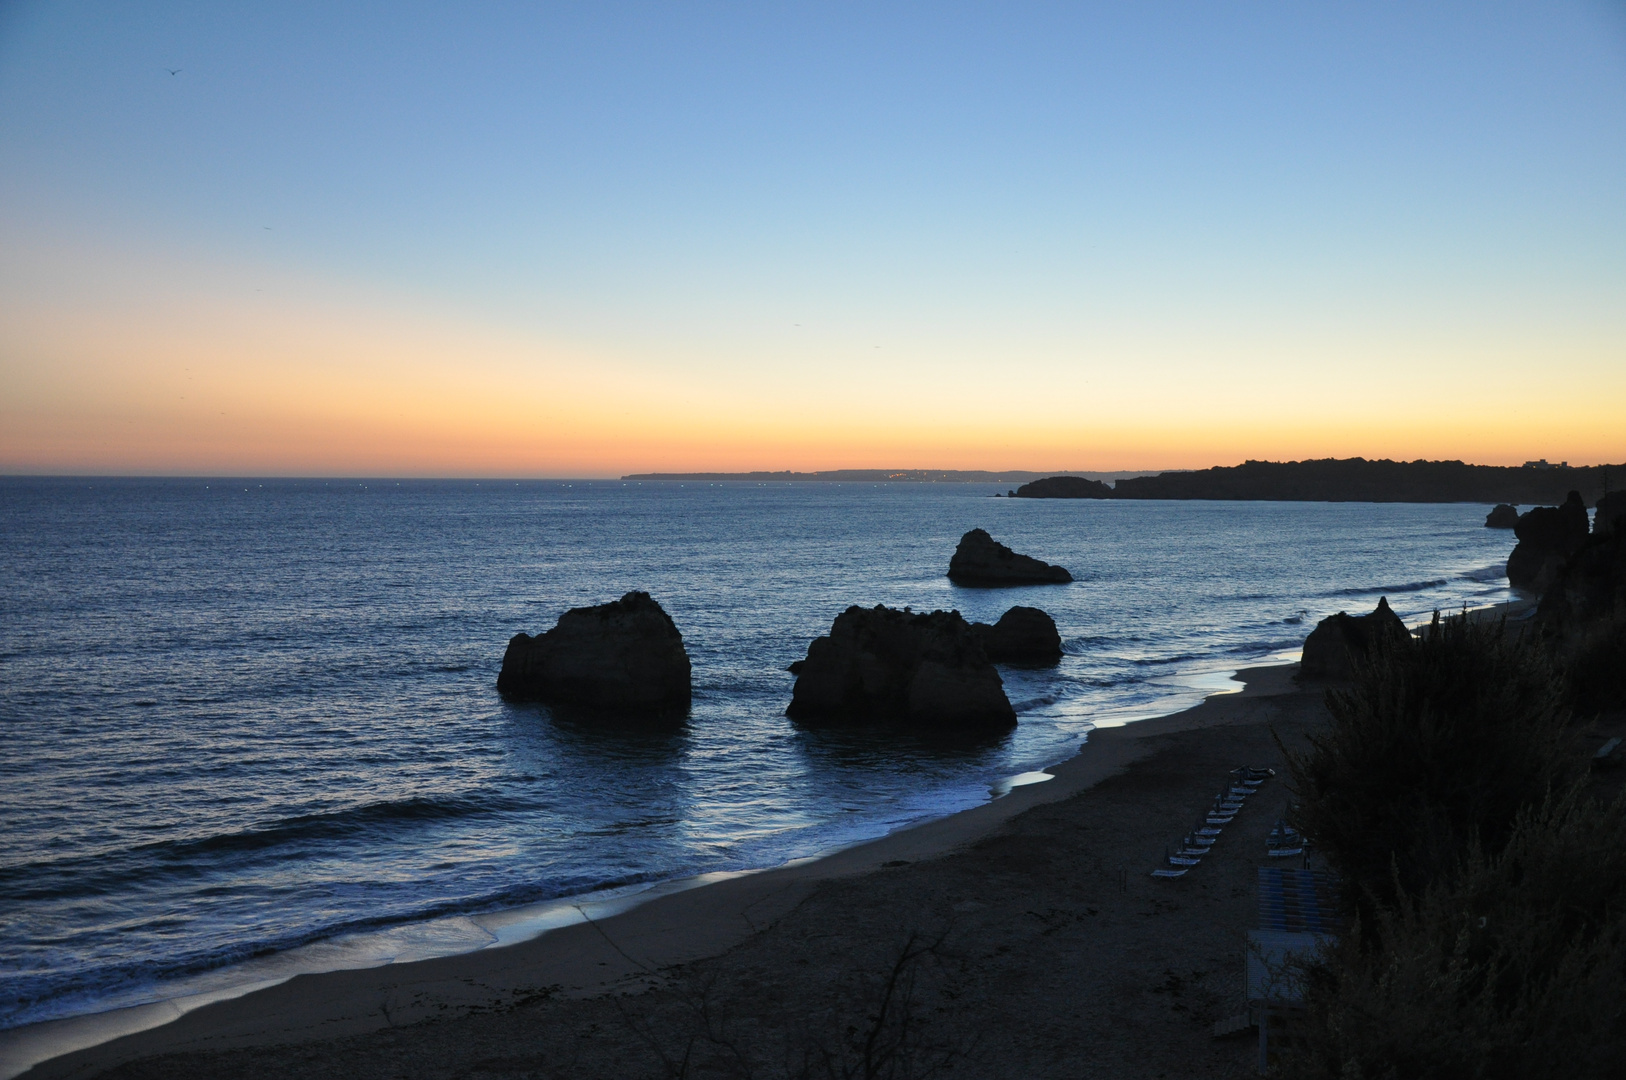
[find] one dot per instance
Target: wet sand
(1037, 942)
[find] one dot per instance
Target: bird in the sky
(173, 71)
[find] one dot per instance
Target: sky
(590, 239)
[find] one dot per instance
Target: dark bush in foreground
(1437, 747)
(1594, 660)
(1509, 967)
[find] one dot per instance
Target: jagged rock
(879, 665)
(625, 656)
(1505, 516)
(1023, 635)
(982, 560)
(1339, 642)
(1547, 536)
(1610, 515)
(1063, 487)
(1590, 585)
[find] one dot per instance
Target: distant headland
(1352, 480)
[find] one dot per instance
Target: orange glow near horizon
(201, 375)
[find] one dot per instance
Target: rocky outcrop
(1505, 516)
(883, 666)
(1340, 642)
(1023, 635)
(1063, 487)
(1610, 515)
(1590, 586)
(982, 560)
(1547, 536)
(624, 656)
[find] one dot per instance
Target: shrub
(1594, 661)
(1514, 966)
(1436, 747)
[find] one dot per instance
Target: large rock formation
(1023, 635)
(625, 656)
(1063, 487)
(1547, 536)
(1504, 516)
(1610, 515)
(982, 560)
(879, 665)
(1590, 586)
(1340, 642)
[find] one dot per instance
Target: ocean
(247, 717)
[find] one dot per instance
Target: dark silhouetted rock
(982, 560)
(1023, 635)
(1590, 585)
(1063, 487)
(878, 665)
(1505, 516)
(1341, 641)
(624, 656)
(1610, 515)
(1547, 536)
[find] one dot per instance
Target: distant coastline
(915, 476)
(1322, 480)
(1352, 480)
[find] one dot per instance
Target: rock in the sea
(1063, 487)
(1023, 635)
(1505, 516)
(982, 560)
(882, 666)
(1547, 536)
(1610, 515)
(1340, 642)
(624, 656)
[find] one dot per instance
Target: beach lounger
(1284, 841)
(1169, 872)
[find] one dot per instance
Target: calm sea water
(239, 717)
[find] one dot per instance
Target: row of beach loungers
(1284, 840)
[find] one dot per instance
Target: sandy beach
(1033, 943)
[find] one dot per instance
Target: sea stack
(1504, 516)
(1023, 635)
(918, 671)
(1547, 536)
(624, 656)
(1340, 642)
(982, 560)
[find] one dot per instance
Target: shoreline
(566, 944)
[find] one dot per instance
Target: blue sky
(813, 235)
